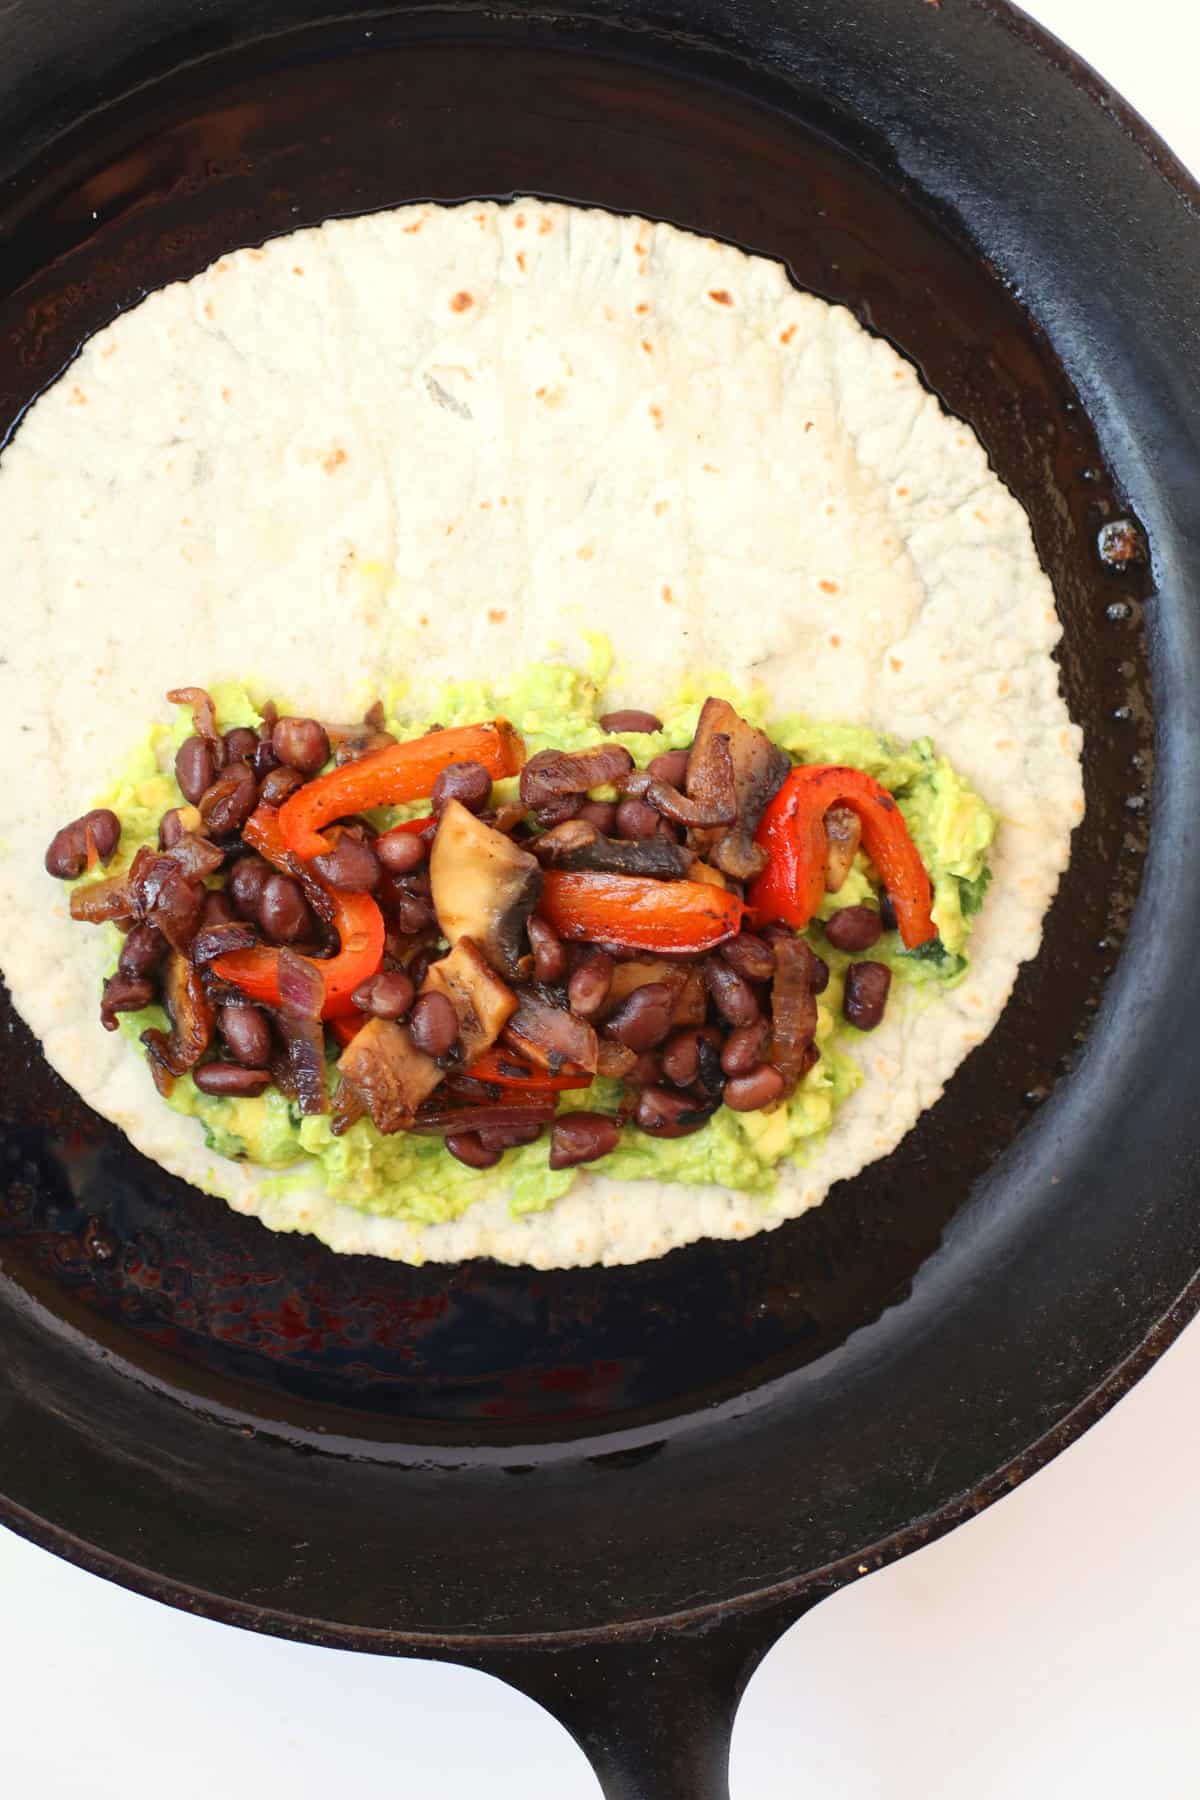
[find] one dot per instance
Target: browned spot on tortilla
(416, 225)
(109, 350)
(1003, 685)
(521, 261)
(710, 468)
(485, 506)
(497, 615)
(643, 306)
(722, 296)
(785, 337)
(549, 396)
(545, 227)
(334, 460)
(210, 311)
(256, 255)
(897, 374)
(461, 301)
(221, 268)
(481, 219)
(981, 516)
(896, 663)
(830, 510)
(424, 619)
(642, 266)
(586, 552)
(668, 596)
(808, 424)
(835, 640)
(504, 499)
(77, 397)
(519, 221)
(902, 493)
(297, 270)
(641, 249)
(828, 587)
(657, 416)
(539, 393)
(647, 346)
(449, 531)
(227, 395)
(660, 507)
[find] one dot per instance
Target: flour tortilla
(444, 442)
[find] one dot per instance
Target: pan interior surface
(179, 1381)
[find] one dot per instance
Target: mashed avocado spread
(415, 1178)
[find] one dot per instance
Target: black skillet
(615, 1488)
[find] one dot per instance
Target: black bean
(247, 1031)
(588, 987)
(467, 782)
(141, 952)
(853, 928)
(630, 720)
(67, 856)
(819, 971)
(866, 995)
(230, 1079)
(470, 1148)
(195, 767)
(559, 811)
(600, 813)
(351, 865)
(283, 912)
(582, 1137)
(124, 993)
(247, 879)
(508, 1137)
(647, 1071)
(549, 951)
(753, 959)
(279, 784)
(733, 997)
(264, 760)
(743, 1049)
(241, 744)
(887, 912)
(302, 744)
(401, 852)
(644, 1019)
(228, 803)
(635, 821)
(409, 912)
(433, 1025)
(670, 767)
(761, 1087)
(170, 829)
(387, 995)
(218, 909)
(663, 1114)
(681, 1053)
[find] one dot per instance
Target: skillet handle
(654, 1718)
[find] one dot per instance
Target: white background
(1044, 1649)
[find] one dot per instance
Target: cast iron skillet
(616, 1487)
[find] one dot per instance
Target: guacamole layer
(415, 1178)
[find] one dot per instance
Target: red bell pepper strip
(355, 917)
(792, 832)
(392, 777)
(637, 913)
(508, 1070)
